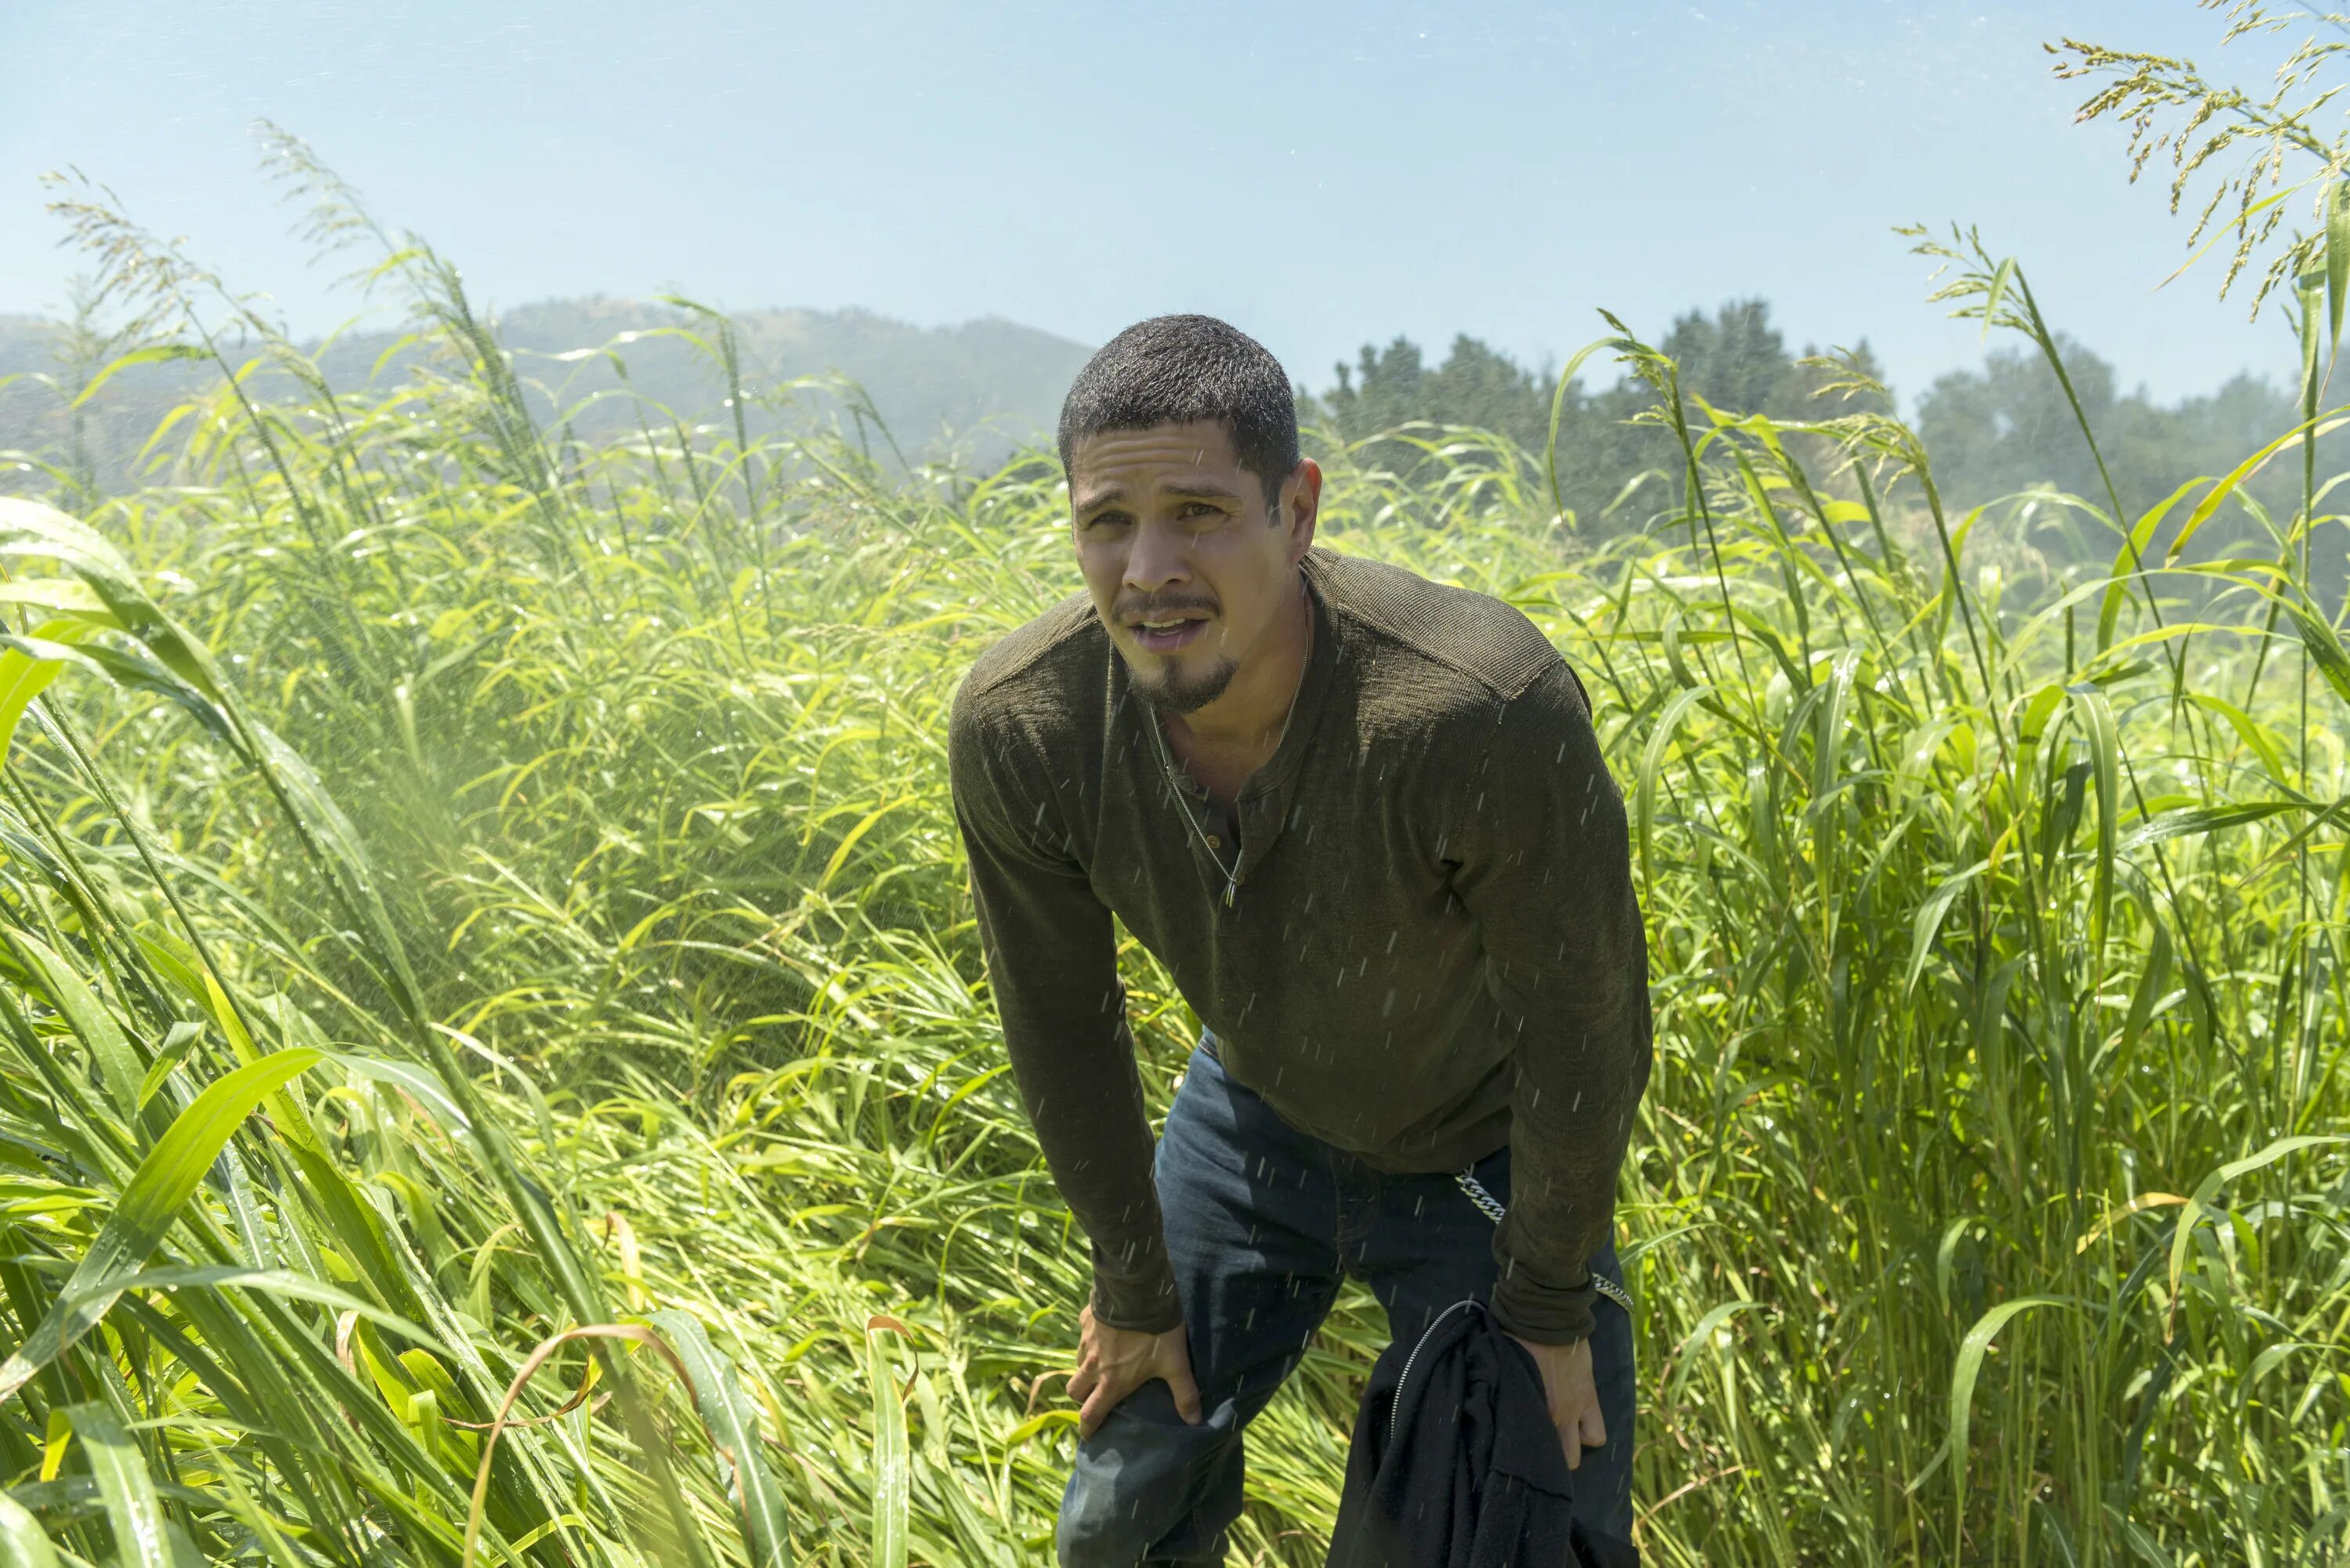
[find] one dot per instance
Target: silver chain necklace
(1233, 872)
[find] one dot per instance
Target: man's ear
(1301, 505)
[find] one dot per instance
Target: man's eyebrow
(1096, 500)
(1201, 490)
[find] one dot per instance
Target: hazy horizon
(1325, 178)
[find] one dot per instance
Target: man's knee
(1149, 1488)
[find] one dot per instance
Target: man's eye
(1198, 509)
(1107, 520)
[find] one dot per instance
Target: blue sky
(1320, 174)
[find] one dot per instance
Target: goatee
(1175, 693)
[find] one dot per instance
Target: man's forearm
(1582, 1069)
(1084, 1101)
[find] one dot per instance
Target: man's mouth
(1165, 634)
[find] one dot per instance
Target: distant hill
(975, 391)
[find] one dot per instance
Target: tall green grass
(478, 905)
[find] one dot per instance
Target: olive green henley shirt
(1432, 946)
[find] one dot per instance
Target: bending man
(1363, 820)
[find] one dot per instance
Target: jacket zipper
(1404, 1381)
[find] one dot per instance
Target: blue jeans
(1263, 1222)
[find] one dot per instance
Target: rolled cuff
(1541, 1314)
(1140, 1304)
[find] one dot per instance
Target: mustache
(1127, 610)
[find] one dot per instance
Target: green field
(486, 942)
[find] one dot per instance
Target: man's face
(1191, 571)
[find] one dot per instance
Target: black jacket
(1456, 1464)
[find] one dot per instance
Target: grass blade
(1652, 760)
(163, 1182)
(892, 1463)
(734, 1429)
(23, 1542)
(1964, 1375)
(2097, 717)
(2206, 1193)
(1928, 919)
(132, 1505)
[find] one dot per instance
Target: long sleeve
(1052, 962)
(1546, 872)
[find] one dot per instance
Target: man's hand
(1573, 1397)
(1112, 1363)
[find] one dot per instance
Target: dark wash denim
(1263, 1222)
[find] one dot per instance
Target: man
(1363, 820)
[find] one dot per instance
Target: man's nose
(1158, 558)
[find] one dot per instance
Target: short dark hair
(1178, 369)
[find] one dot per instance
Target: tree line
(1992, 433)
